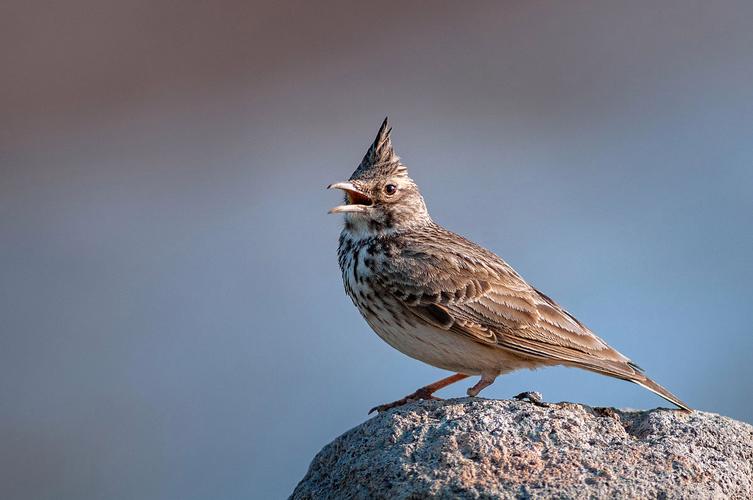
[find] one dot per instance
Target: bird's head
(380, 196)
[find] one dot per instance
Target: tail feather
(623, 368)
(632, 373)
(652, 386)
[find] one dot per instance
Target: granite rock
(478, 448)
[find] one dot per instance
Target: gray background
(173, 320)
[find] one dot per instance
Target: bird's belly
(447, 350)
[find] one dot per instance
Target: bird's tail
(620, 367)
(631, 372)
(652, 386)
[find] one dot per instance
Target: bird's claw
(411, 398)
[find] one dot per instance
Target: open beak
(355, 200)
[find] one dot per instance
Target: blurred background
(173, 319)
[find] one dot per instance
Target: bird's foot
(422, 393)
(533, 397)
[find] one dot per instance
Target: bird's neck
(358, 227)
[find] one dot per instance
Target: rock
(477, 448)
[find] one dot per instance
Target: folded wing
(460, 287)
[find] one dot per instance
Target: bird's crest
(380, 160)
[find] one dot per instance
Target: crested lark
(446, 301)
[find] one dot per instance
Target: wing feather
(459, 286)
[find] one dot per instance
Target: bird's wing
(461, 287)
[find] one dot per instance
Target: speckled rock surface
(476, 448)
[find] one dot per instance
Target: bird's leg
(425, 392)
(486, 381)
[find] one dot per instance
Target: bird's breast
(357, 268)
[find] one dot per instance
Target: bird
(446, 301)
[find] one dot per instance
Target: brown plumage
(446, 301)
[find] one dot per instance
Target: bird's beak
(356, 200)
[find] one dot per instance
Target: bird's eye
(390, 189)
